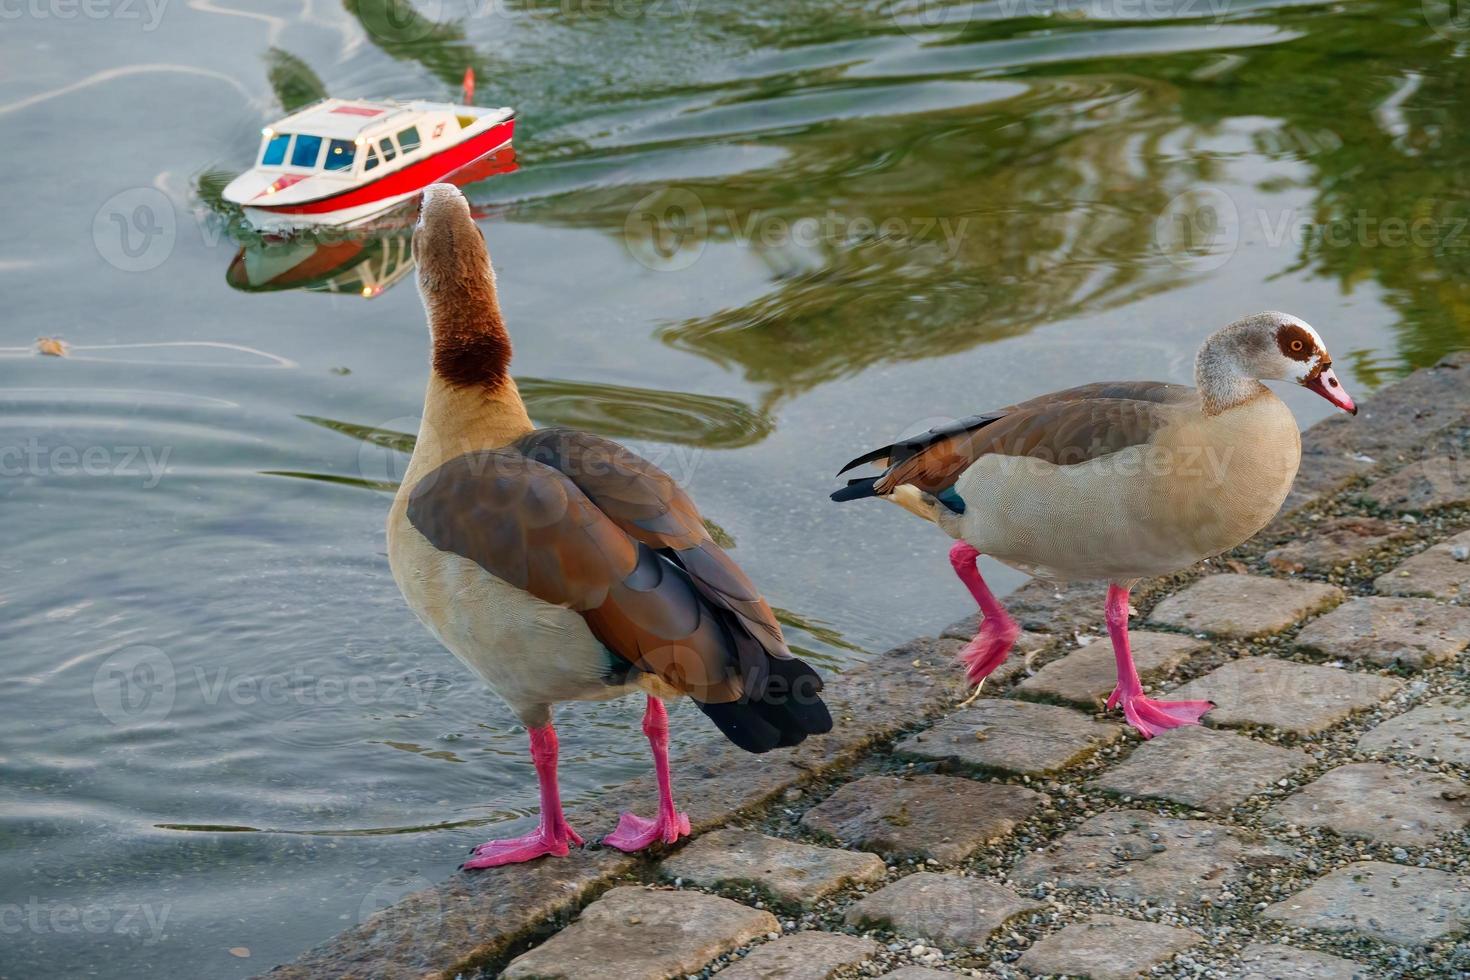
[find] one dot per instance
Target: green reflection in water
(402, 33)
(974, 181)
(293, 81)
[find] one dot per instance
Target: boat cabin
(359, 140)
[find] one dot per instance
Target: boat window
(386, 145)
(409, 139)
(340, 154)
(275, 150)
(306, 150)
(371, 158)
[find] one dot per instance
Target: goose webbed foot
(998, 631)
(989, 649)
(634, 833)
(540, 842)
(1151, 717)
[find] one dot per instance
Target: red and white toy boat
(338, 161)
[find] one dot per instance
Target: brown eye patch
(1295, 342)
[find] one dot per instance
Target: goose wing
(1065, 428)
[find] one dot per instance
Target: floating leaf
(52, 347)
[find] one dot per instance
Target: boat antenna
(469, 86)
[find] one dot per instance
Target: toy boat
(365, 260)
(339, 161)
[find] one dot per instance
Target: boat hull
(362, 202)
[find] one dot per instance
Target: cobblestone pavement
(1318, 828)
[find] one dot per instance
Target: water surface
(751, 241)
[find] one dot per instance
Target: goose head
(1268, 346)
(447, 244)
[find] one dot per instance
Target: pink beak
(1327, 385)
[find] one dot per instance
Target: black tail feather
(784, 713)
(870, 457)
(856, 489)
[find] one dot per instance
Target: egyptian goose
(1114, 481)
(559, 566)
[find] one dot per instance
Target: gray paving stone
(1397, 904)
(1337, 543)
(1379, 802)
(1201, 768)
(1301, 698)
(1087, 676)
(920, 973)
(802, 956)
(1269, 961)
(1426, 485)
(1107, 947)
(1441, 572)
(1013, 736)
(1137, 855)
(640, 934)
(791, 871)
(1437, 729)
(1387, 630)
(946, 818)
(943, 908)
(1244, 605)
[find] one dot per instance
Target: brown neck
(471, 344)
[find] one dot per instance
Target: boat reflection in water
(363, 259)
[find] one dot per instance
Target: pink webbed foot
(988, 650)
(634, 833)
(998, 631)
(514, 850)
(1151, 717)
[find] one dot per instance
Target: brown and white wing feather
(528, 524)
(648, 505)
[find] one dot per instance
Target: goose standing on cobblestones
(1114, 481)
(559, 566)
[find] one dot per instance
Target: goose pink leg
(1145, 714)
(998, 631)
(634, 832)
(554, 836)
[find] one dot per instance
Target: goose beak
(1327, 385)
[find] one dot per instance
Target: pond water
(752, 240)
